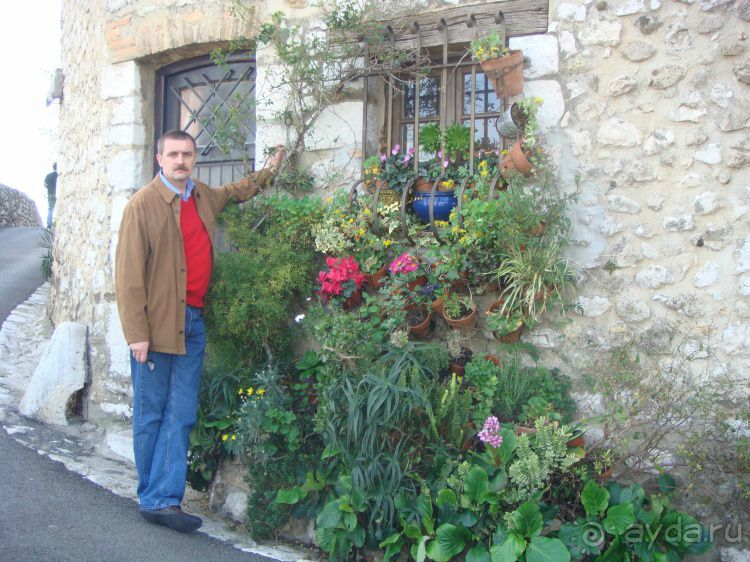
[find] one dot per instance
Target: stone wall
(654, 137)
(646, 114)
(17, 209)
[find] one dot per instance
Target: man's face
(177, 160)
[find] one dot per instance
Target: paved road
(49, 514)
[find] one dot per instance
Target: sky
(29, 53)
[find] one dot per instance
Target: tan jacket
(150, 273)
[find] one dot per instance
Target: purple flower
(490, 433)
(383, 158)
(395, 149)
(406, 159)
(411, 150)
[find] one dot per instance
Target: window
(196, 96)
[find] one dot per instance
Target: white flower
(299, 318)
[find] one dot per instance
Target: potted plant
(396, 169)
(407, 280)
(373, 254)
(519, 118)
(533, 278)
(459, 311)
(341, 281)
(505, 325)
(502, 65)
(458, 351)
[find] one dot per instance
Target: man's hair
(174, 134)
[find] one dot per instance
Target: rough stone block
(707, 275)
(553, 108)
(638, 51)
(632, 310)
(541, 51)
(571, 12)
(658, 141)
(126, 135)
(621, 85)
(666, 76)
(628, 7)
(594, 306)
(604, 33)
(568, 46)
(120, 80)
(61, 372)
(706, 203)
(679, 224)
(621, 204)
(741, 70)
(618, 132)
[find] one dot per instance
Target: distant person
(50, 182)
(162, 270)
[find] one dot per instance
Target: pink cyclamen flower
(395, 149)
(411, 151)
(383, 158)
(490, 433)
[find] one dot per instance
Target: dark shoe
(172, 517)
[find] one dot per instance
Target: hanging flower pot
(506, 73)
(515, 160)
(512, 123)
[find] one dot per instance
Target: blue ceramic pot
(445, 201)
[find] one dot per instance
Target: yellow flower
(351, 221)
(250, 391)
(224, 437)
(367, 211)
(239, 391)
(462, 240)
(454, 230)
(260, 391)
(504, 152)
(387, 242)
(361, 231)
(328, 199)
(234, 437)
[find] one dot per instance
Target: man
(50, 182)
(162, 270)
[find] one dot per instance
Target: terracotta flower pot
(506, 73)
(423, 185)
(465, 322)
(493, 359)
(422, 329)
(577, 441)
(354, 300)
(420, 281)
(528, 430)
(539, 230)
(458, 365)
(511, 337)
(376, 280)
(515, 160)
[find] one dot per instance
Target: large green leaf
(290, 496)
(450, 541)
(595, 498)
(510, 550)
(527, 520)
(446, 496)
(478, 553)
(619, 518)
(330, 517)
(543, 549)
(476, 484)
(421, 553)
(508, 445)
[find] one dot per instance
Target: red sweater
(198, 255)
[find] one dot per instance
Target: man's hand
(139, 351)
(274, 161)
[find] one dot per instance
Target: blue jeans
(165, 408)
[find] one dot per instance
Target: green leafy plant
(487, 47)
(523, 539)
